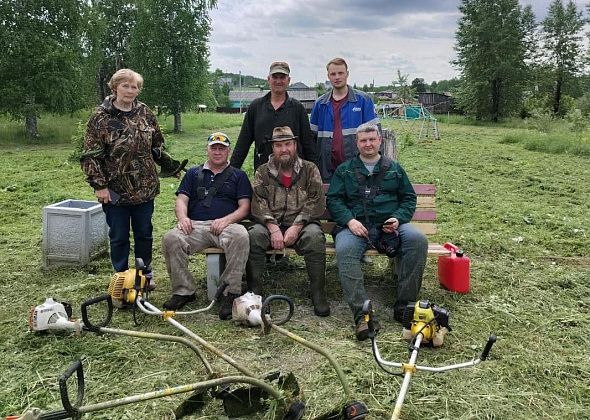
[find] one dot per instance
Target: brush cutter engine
(127, 286)
(246, 310)
(430, 320)
(52, 315)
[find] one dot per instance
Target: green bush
(577, 122)
(77, 142)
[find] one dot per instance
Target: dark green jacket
(396, 196)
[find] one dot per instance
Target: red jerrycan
(453, 271)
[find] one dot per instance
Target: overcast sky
(376, 37)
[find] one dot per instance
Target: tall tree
(169, 48)
(41, 60)
(562, 37)
(418, 85)
(109, 38)
(403, 90)
(490, 57)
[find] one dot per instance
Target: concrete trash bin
(74, 232)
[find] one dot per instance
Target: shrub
(77, 140)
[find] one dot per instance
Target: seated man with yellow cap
(211, 201)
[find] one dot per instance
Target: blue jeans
(410, 264)
(119, 218)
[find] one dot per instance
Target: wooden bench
(424, 218)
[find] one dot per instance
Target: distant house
(225, 81)
(242, 99)
(385, 95)
(436, 103)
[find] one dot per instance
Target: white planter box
(74, 232)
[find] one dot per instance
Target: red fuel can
(453, 271)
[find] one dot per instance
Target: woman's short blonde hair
(125, 75)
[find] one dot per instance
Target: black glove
(389, 244)
(169, 167)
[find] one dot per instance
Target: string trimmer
(352, 409)
(52, 310)
(424, 323)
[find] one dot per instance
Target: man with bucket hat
(287, 203)
(211, 201)
(275, 109)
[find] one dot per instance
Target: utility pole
(240, 88)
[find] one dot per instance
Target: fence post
(389, 144)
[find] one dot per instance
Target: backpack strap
(366, 195)
(217, 184)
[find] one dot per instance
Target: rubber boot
(254, 274)
(317, 284)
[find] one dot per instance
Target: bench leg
(215, 266)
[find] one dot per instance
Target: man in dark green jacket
(371, 199)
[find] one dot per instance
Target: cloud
(376, 37)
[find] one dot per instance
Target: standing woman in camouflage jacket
(122, 145)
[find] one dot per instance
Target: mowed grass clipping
(521, 215)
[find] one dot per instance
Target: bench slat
(433, 249)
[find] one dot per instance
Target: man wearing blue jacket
(372, 202)
(335, 117)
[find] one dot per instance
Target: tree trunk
(177, 122)
(557, 96)
(496, 93)
(101, 83)
(31, 126)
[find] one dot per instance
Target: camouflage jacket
(119, 152)
(302, 203)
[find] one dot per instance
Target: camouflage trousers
(177, 247)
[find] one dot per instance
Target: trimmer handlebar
(83, 308)
(488, 347)
(63, 388)
(368, 315)
(266, 309)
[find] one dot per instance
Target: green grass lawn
(521, 215)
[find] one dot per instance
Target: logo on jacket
(356, 109)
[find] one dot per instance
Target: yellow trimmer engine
(424, 318)
(126, 286)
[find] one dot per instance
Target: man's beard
(284, 164)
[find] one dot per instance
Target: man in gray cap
(287, 202)
(275, 109)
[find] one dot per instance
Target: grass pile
(521, 215)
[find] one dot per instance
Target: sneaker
(178, 301)
(151, 286)
(149, 276)
(362, 329)
(225, 306)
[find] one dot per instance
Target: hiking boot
(178, 301)
(362, 329)
(226, 304)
